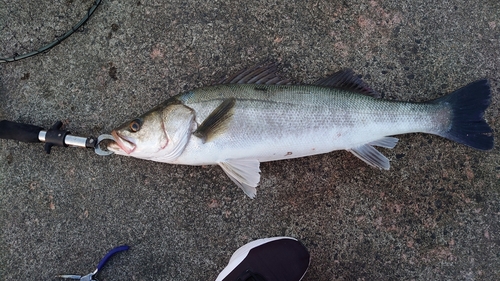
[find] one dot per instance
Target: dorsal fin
(346, 79)
(265, 73)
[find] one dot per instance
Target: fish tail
(467, 118)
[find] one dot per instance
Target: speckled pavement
(435, 215)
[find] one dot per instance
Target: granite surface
(435, 215)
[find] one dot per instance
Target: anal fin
(371, 156)
(244, 172)
(385, 142)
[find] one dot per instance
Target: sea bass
(256, 116)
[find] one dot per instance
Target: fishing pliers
(90, 276)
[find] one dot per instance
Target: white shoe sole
(242, 253)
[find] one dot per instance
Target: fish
(257, 116)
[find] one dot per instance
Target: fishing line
(28, 28)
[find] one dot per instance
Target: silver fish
(256, 116)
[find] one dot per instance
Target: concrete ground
(435, 215)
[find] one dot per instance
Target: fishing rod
(51, 137)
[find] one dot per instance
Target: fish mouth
(122, 142)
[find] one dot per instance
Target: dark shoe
(269, 259)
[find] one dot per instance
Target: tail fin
(468, 125)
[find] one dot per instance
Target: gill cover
(178, 125)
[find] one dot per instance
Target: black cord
(58, 39)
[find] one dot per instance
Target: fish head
(141, 137)
(160, 134)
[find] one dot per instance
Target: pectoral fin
(372, 156)
(217, 121)
(244, 172)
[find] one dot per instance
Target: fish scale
(309, 117)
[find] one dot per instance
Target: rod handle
(19, 131)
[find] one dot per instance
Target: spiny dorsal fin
(217, 121)
(346, 79)
(265, 73)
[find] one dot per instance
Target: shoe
(269, 259)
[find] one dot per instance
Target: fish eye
(135, 125)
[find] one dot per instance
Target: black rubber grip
(19, 131)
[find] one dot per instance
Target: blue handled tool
(89, 277)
